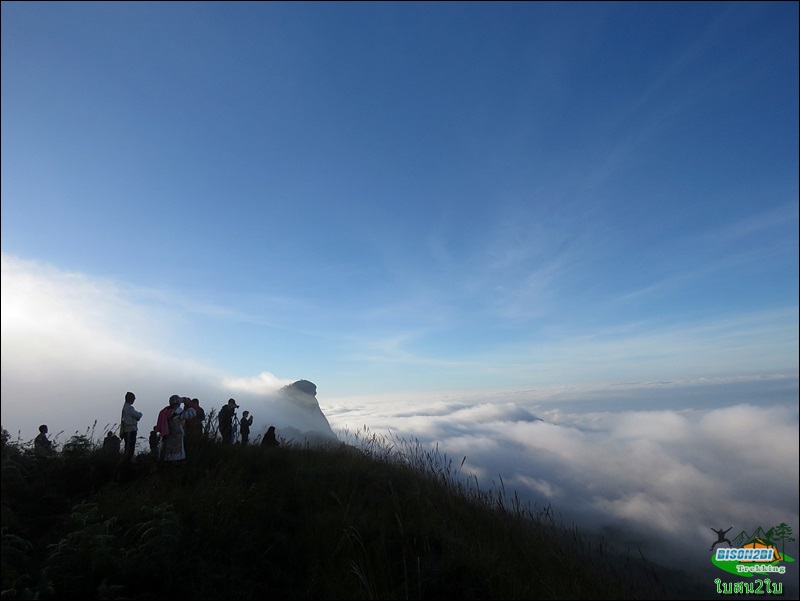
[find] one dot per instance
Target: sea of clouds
(653, 466)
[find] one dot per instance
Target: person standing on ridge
(162, 421)
(111, 443)
(270, 440)
(130, 426)
(244, 424)
(154, 441)
(174, 448)
(42, 444)
(193, 426)
(225, 421)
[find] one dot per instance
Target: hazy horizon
(653, 465)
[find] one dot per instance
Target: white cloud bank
(654, 480)
(73, 346)
(654, 465)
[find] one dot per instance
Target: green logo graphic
(756, 554)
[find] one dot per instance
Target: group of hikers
(182, 417)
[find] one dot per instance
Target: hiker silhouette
(111, 443)
(270, 439)
(225, 421)
(42, 444)
(244, 425)
(721, 537)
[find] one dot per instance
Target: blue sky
(427, 209)
(419, 196)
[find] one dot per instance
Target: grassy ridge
(372, 520)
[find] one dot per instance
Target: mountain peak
(305, 386)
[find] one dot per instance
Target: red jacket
(193, 425)
(162, 423)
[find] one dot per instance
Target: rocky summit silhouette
(303, 386)
(298, 404)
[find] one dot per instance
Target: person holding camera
(225, 421)
(244, 425)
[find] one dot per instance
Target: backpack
(201, 414)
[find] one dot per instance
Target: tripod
(235, 429)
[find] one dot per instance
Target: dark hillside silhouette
(291, 522)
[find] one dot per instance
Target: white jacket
(130, 418)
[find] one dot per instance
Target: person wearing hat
(225, 421)
(162, 423)
(174, 449)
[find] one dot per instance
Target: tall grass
(375, 517)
